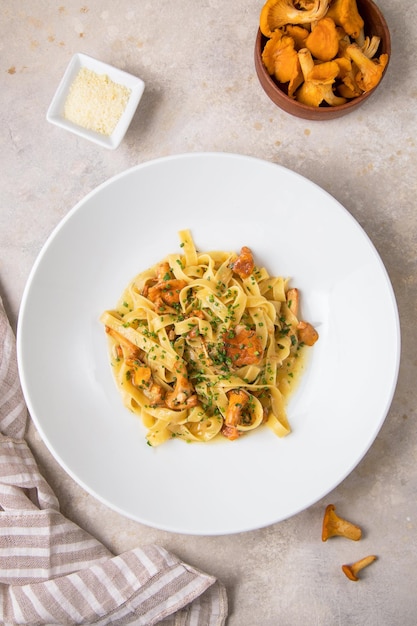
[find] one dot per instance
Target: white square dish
(55, 113)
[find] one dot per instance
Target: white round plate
(295, 229)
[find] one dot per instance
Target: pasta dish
(207, 344)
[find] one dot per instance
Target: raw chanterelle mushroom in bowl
(321, 59)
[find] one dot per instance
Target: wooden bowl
(375, 25)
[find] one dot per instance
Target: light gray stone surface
(202, 94)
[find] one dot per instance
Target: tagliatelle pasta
(206, 344)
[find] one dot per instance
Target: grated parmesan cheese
(95, 102)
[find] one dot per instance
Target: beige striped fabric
(54, 573)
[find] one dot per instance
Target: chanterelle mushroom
(370, 70)
(281, 60)
(238, 399)
(298, 33)
(277, 13)
(183, 396)
(353, 570)
(307, 334)
(333, 526)
(323, 41)
(347, 88)
(345, 14)
(370, 46)
(244, 265)
(318, 81)
(242, 346)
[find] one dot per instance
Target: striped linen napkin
(54, 573)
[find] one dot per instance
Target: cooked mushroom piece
(307, 334)
(353, 569)
(244, 265)
(183, 395)
(242, 346)
(123, 345)
(238, 399)
(333, 526)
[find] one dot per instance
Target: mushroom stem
(353, 569)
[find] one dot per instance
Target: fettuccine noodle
(206, 344)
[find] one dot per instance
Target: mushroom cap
(323, 41)
(353, 569)
(345, 14)
(277, 13)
